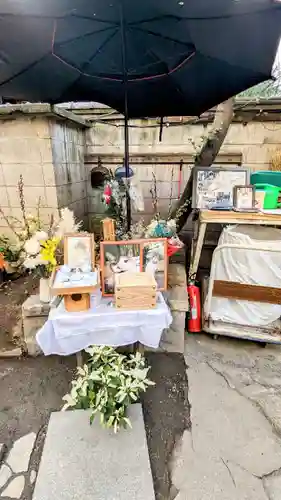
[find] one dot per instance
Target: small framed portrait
(79, 251)
(118, 257)
(155, 260)
(244, 198)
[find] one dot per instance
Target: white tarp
(257, 267)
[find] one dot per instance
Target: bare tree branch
(207, 154)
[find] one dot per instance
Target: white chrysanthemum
(33, 262)
(32, 246)
(172, 226)
(67, 223)
(150, 230)
(41, 236)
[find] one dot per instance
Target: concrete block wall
(25, 149)
(68, 147)
(254, 143)
(43, 150)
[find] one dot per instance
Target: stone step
(86, 462)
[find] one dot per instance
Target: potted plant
(107, 384)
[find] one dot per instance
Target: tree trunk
(205, 157)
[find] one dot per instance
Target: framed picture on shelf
(155, 260)
(118, 257)
(244, 198)
(213, 186)
(79, 250)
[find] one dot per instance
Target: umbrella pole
(126, 131)
(126, 164)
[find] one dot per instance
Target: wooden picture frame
(213, 186)
(113, 259)
(244, 198)
(161, 272)
(115, 263)
(71, 245)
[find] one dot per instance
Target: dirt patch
(30, 389)
(12, 295)
(166, 415)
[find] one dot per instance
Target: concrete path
(233, 450)
(83, 462)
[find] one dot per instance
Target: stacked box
(135, 291)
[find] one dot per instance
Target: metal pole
(126, 128)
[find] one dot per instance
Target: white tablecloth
(66, 333)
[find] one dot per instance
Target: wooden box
(135, 291)
(76, 298)
(77, 302)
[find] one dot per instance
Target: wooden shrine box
(135, 291)
(76, 298)
(79, 250)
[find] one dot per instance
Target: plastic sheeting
(255, 267)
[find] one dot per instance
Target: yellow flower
(48, 250)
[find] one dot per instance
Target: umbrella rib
(22, 71)
(156, 18)
(92, 18)
(162, 75)
(164, 37)
(133, 80)
(86, 64)
(81, 37)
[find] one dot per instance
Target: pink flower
(107, 194)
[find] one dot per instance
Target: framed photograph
(79, 250)
(155, 260)
(118, 257)
(259, 199)
(244, 198)
(213, 186)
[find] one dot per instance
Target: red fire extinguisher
(194, 320)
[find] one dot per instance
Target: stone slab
(34, 315)
(5, 474)
(14, 488)
(172, 339)
(33, 307)
(19, 456)
(86, 462)
(177, 298)
(2, 451)
(273, 487)
(236, 429)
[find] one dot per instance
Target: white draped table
(66, 333)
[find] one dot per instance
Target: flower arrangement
(34, 245)
(108, 384)
(43, 251)
(158, 227)
(12, 248)
(114, 198)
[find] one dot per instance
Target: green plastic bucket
(272, 193)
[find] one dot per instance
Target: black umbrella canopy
(146, 57)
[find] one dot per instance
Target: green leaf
(110, 421)
(127, 422)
